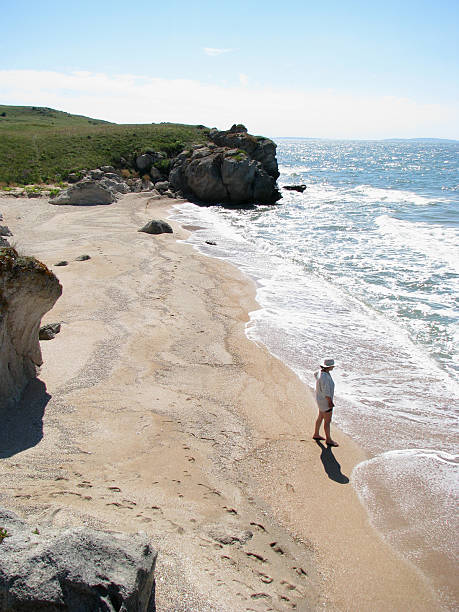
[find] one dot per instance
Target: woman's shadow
(331, 465)
(21, 426)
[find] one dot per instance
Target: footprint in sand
(55, 493)
(144, 519)
(287, 600)
(260, 596)
(256, 556)
(288, 585)
(265, 578)
(119, 505)
(277, 549)
(259, 526)
(300, 571)
(229, 560)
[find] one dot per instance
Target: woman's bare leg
(319, 420)
(327, 420)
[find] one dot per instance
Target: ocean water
(364, 267)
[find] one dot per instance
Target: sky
(324, 69)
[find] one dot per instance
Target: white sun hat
(327, 363)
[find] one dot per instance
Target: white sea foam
(438, 243)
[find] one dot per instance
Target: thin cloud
(214, 52)
(129, 98)
(243, 79)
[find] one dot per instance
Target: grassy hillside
(42, 145)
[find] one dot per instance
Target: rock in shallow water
(74, 569)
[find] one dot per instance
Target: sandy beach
(153, 412)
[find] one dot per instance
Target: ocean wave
(399, 196)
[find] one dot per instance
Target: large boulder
(156, 226)
(235, 168)
(27, 291)
(85, 192)
(76, 569)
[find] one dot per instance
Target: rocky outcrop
(73, 569)
(85, 192)
(104, 185)
(258, 148)
(235, 168)
(27, 291)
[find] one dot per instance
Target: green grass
(3, 534)
(42, 145)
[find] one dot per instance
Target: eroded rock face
(73, 569)
(27, 291)
(235, 168)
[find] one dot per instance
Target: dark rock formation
(48, 332)
(85, 192)
(235, 168)
(162, 186)
(257, 147)
(73, 569)
(62, 263)
(82, 257)
(299, 188)
(5, 230)
(156, 227)
(27, 291)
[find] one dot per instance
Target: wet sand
(154, 412)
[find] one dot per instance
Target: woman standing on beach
(325, 388)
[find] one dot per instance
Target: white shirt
(325, 387)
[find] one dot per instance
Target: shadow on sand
(331, 465)
(21, 427)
